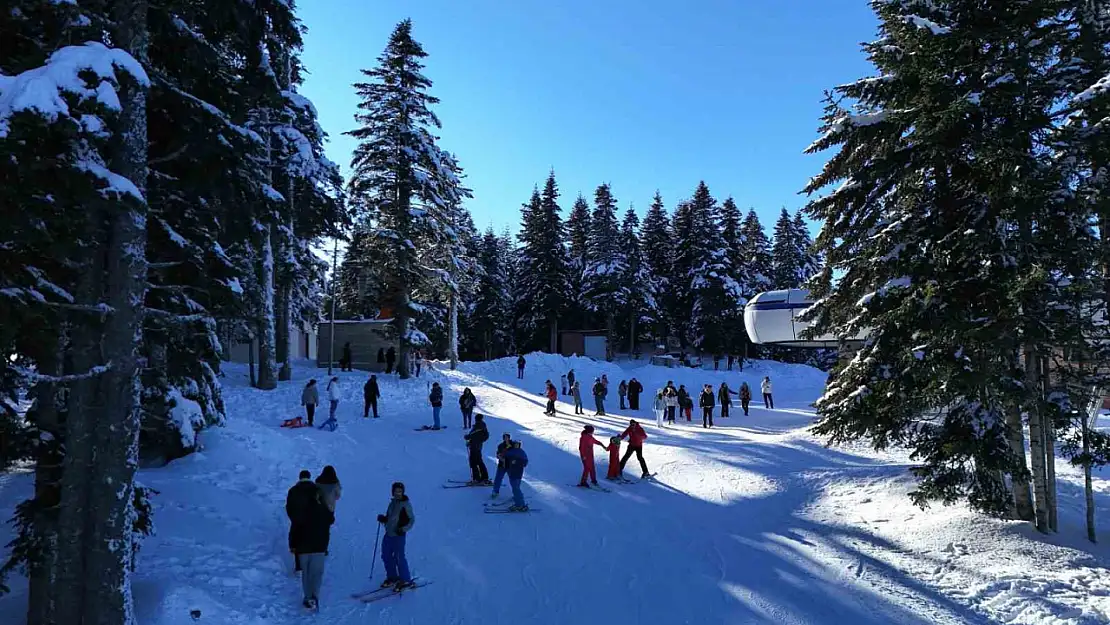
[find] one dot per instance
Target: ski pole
(374, 558)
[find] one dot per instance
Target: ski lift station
(772, 318)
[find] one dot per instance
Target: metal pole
(334, 277)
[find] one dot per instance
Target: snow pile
(186, 416)
(753, 521)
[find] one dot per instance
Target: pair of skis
(371, 596)
(467, 484)
(504, 508)
(428, 428)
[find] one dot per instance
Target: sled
(295, 422)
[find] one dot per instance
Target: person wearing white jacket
(333, 397)
(659, 406)
(768, 400)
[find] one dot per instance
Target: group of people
(387, 357)
(586, 442)
(571, 386)
(310, 506)
(669, 400)
(310, 399)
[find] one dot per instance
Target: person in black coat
(634, 390)
(478, 435)
(684, 401)
(706, 403)
(370, 395)
(312, 546)
(297, 503)
(390, 358)
(381, 355)
(345, 362)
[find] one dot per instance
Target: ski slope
(754, 521)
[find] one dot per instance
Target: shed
(591, 343)
(366, 337)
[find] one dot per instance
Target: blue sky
(642, 94)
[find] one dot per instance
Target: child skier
(551, 397)
(586, 444)
(614, 459)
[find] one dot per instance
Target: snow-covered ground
(754, 521)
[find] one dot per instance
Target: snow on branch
(35, 378)
(928, 24)
(67, 71)
(1100, 88)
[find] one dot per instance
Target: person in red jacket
(614, 458)
(552, 395)
(586, 444)
(636, 437)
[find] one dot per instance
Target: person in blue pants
(398, 520)
(435, 397)
(502, 447)
(515, 461)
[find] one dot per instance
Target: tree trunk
(283, 333)
(402, 326)
(632, 338)
(250, 360)
(264, 308)
(610, 344)
(1036, 438)
(453, 331)
(102, 438)
(48, 476)
(1088, 487)
(1023, 498)
(554, 335)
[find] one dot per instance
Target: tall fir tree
(641, 307)
(784, 254)
(402, 185)
(493, 299)
(578, 248)
(714, 291)
(541, 276)
(809, 262)
(657, 244)
(757, 255)
(604, 292)
(732, 222)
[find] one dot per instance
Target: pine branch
(36, 378)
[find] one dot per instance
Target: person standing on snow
(370, 395)
(381, 356)
(745, 396)
(636, 437)
(605, 382)
(634, 390)
(520, 362)
(706, 403)
(515, 461)
(297, 502)
(570, 381)
(622, 390)
(312, 545)
(390, 358)
(467, 402)
(435, 398)
(478, 435)
(586, 444)
(724, 394)
(398, 520)
(599, 397)
(502, 447)
(330, 490)
(684, 401)
(576, 392)
(345, 359)
(310, 398)
(333, 403)
(765, 387)
(659, 406)
(551, 397)
(614, 472)
(563, 384)
(670, 399)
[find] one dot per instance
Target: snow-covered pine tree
(757, 255)
(492, 300)
(732, 236)
(641, 308)
(941, 227)
(541, 277)
(604, 293)
(657, 245)
(684, 260)
(715, 292)
(402, 185)
(785, 262)
(507, 252)
(578, 247)
(809, 263)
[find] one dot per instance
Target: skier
(745, 396)
(333, 404)
(478, 435)
(706, 403)
(390, 358)
(576, 392)
(614, 459)
(599, 391)
(345, 361)
(634, 390)
(636, 437)
(330, 489)
(312, 546)
(310, 398)
(398, 520)
(563, 384)
(622, 390)
(435, 397)
(684, 401)
(551, 397)
(659, 406)
(515, 461)
(670, 400)
(586, 444)
(605, 382)
(370, 395)
(502, 447)
(520, 362)
(297, 501)
(467, 402)
(724, 394)
(570, 379)
(765, 387)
